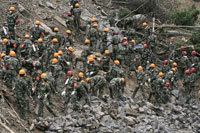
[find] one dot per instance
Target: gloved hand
(63, 93)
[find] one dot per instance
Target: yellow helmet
(91, 56)
(106, 30)
(160, 74)
(107, 52)
(123, 80)
(93, 20)
(27, 36)
(174, 70)
(37, 22)
(12, 8)
(76, 5)
(95, 25)
(40, 40)
(81, 75)
(87, 41)
(133, 41)
(87, 80)
(152, 65)
(68, 32)
(12, 53)
(22, 72)
(5, 41)
(60, 52)
(175, 64)
(144, 24)
(55, 40)
(56, 29)
(117, 62)
(56, 55)
(140, 68)
(54, 61)
(71, 49)
(2, 55)
(43, 75)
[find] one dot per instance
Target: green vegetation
(186, 16)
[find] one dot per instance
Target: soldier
(116, 87)
(23, 49)
(122, 52)
(85, 53)
(146, 55)
(69, 59)
(140, 82)
(187, 85)
(36, 31)
(57, 36)
(193, 79)
(172, 49)
(92, 69)
(115, 71)
(70, 21)
(3, 67)
(194, 60)
(34, 51)
(43, 92)
(115, 43)
(97, 85)
(112, 16)
(93, 36)
(57, 73)
(104, 40)
(20, 93)
(77, 14)
(184, 63)
(159, 88)
(70, 83)
(165, 67)
(106, 61)
(6, 46)
(69, 40)
(12, 21)
(80, 91)
(13, 67)
(147, 30)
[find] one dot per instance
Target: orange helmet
(87, 41)
(123, 80)
(68, 32)
(93, 20)
(144, 24)
(87, 80)
(55, 40)
(152, 65)
(117, 62)
(22, 72)
(71, 49)
(91, 59)
(37, 22)
(95, 25)
(91, 56)
(140, 68)
(5, 41)
(60, 52)
(56, 29)
(160, 74)
(12, 8)
(77, 5)
(174, 64)
(107, 52)
(2, 55)
(81, 75)
(133, 41)
(56, 55)
(27, 36)
(54, 61)
(125, 38)
(43, 75)
(12, 53)
(40, 40)
(106, 30)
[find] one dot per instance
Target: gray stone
(50, 5)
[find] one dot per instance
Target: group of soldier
(42, 66)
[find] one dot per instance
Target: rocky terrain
(106, 115)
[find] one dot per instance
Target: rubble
(125, 116)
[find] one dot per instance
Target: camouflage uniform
(184, 64)
(36, 33)
(140, 84)
(93, 37)
(43, 93)
(4, 32)
(77, 15)
(92, 69)
(193, 79)
(122, 54)
(115, 43)
(187, 85)
(20, 94)
(13, 67)
(115, 72)
(111, 18)
(146, 56)
(106, 63)
(34, 51)
(12, 22)
(116, 88)
(165, 68)
(104, 40)
(69, 41)
(70, 23)
(172, 50)
(97, 84)
(159, 90)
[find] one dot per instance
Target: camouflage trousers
(21, 106)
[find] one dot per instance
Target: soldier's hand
(31, 98)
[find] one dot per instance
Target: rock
(50, 5)
(41, 4)
(60, 20)
(141, 110)
(195, 107)
(23, 11)
(175, 93)
(131, 112)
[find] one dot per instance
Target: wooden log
(6, 127)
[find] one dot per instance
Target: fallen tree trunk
(175, 33)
